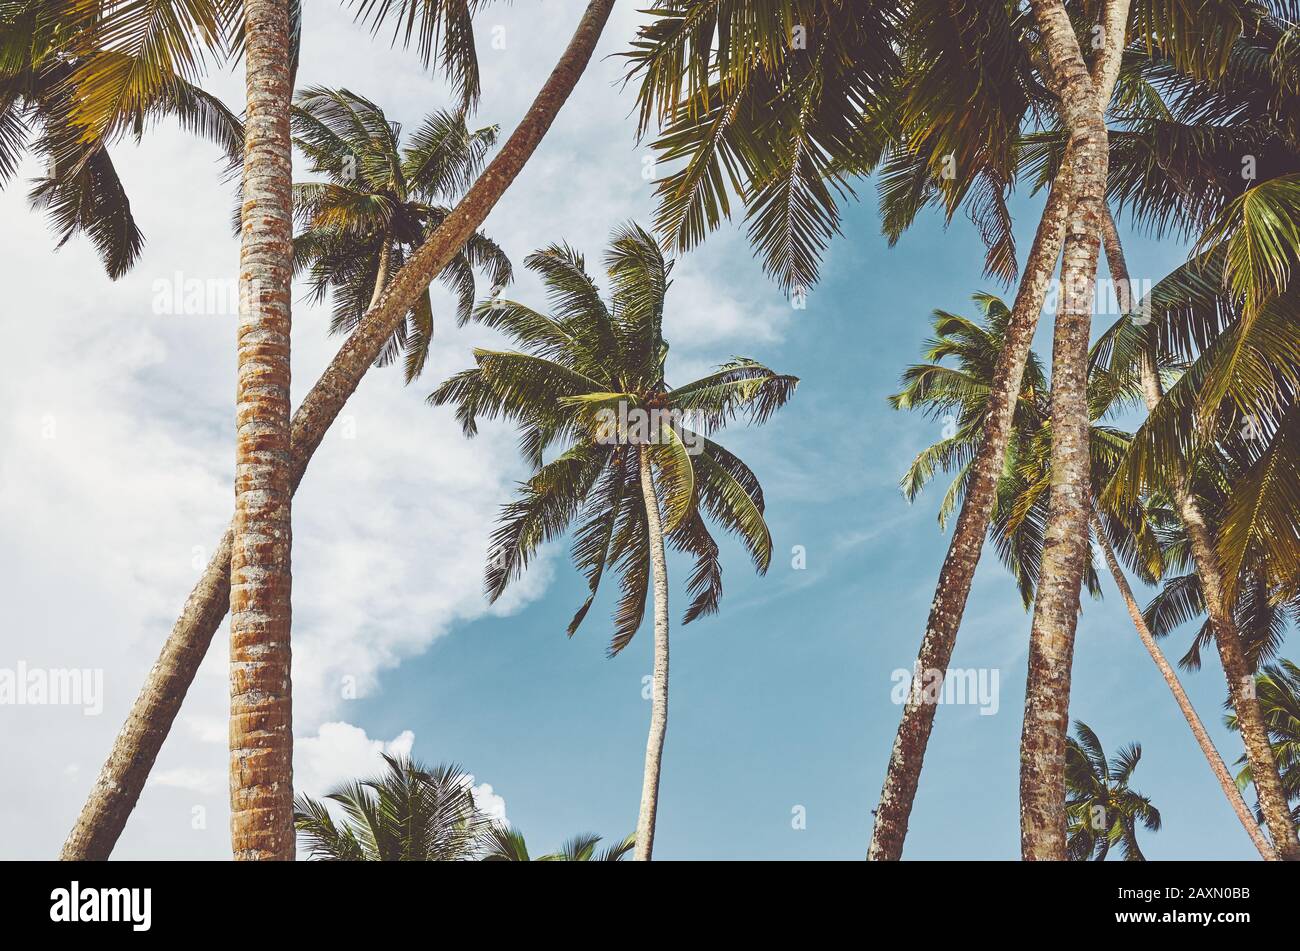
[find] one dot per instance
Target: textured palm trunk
(261, 711)
(654, 747)
(136, 747)
(1236, 667)
(1217, 766)
(381, 276)
(908, 754)
(1065, 547)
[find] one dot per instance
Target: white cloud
(339, 753)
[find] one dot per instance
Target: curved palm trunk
(908, 753)
(654, 747)
(1236, 667)
(123, 775)
(1065, 548)
(1226, 783)
(261, 713)
(958, 571)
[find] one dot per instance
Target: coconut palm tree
(1278, 689)
(379, 202)
(81, 190)
(137, 744)
(635, 463)
(505, 844)
(410, 813)
(1101, 809)
(960, 395)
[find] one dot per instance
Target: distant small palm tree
(504, 844)
(412, 813)
(1101, 810)
(636, 467)
(380, 201)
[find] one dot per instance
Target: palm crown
(583, 377)
(1100, 807)
(379, 201)
(411, 813)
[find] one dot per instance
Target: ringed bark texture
(261, 711)
(908, 755)
(1254, 732)
(136, 747)
(1083, 98)
(654, 748)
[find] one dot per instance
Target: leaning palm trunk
(958, 571)
(908, 754)
(1264, 769)
(1083, 98)
(654, 747)
(261, 710)
(123, 775)
(1220, 769)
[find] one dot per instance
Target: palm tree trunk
(261, 713)
(1236, 667)
(381, 275)
(654, 747)
(1226, 783)
(124, 773)
(1065, 547)
(908, 754)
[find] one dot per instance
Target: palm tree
(81, 189)
(1278, 689)
(411, 813)
(635, 464)
(1101, 809)
(137, 744)
(380, 201)
(960, 393)
(505, 844)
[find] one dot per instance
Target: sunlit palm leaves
(585, 376)
(44, 46)
(379, 202)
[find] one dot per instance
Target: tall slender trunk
(1083, 99)
(1236, 667)
(261, 711)
(1226, 783)
(124, 773)
(654, 747)
(908, 753)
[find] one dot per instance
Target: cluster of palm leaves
(778, 107)
(418, 813)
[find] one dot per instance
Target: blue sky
(781, 702)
